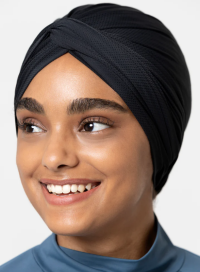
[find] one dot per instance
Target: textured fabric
(163, 256)
(136, 55)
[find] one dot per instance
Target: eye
(28, 126)
(95, 124)
(90, 124)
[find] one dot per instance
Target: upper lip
(68, 181)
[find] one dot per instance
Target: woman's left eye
(95, 123)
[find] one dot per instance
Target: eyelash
(85, 121)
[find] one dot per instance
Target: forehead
(66, 79)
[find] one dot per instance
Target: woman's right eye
(27, 127)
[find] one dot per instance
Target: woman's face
(58, 146)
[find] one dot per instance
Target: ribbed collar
(162, 256)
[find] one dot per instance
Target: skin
(119, 220)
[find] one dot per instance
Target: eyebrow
(78, 105)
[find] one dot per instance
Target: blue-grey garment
(163, 256)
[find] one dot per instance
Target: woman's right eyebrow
(79, 105)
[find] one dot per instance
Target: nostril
(62, 165)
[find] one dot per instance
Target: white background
(178, 205)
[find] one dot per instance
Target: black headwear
(137, 56)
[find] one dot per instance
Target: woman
(101, 105)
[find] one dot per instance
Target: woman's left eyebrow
(79, 105)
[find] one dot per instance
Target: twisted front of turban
(137, 56)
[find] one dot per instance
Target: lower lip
(68, 199)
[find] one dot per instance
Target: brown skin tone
(119, 220)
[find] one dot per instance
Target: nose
(59, 153)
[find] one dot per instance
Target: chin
(65, 225)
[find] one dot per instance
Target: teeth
(74, 188)
(66, 189)
(81, 188)
(88, 187)
(52, 188)
(49, 187)
(58, 189)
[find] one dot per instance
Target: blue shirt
(163, 256)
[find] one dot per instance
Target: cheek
(27, 159)
(119, 158)
(122, 161)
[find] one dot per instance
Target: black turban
(137, 56)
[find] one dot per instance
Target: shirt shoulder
(191, 261)
(21, 263)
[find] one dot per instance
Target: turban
(137, 56)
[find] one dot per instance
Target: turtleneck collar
(162, 256)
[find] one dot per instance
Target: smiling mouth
(69, 189)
